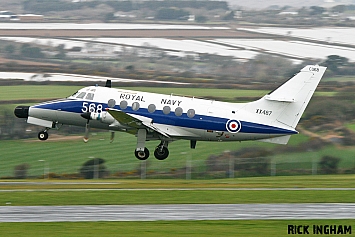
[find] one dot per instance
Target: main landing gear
(161, 153)
(142, 153)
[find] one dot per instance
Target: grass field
(43, 194)
(266, 228)
(67, 156)
(57, 91)
(138, 197)
(221, 191)
(340, 79)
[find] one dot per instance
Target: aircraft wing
(135, 121)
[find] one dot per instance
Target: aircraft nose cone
(21, 111)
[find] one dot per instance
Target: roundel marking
(233, 126)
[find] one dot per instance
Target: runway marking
(177, 212)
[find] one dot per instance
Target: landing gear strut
(161, 152)
(43, 135)
(141, 152)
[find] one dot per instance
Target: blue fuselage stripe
(198, 122)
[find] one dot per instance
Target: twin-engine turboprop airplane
(167, 118)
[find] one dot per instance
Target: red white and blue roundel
(233, 126)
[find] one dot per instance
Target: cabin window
(81, 95)
(151, 108)
(166, 110)
(191, 113)
(178, 111)
(90, 96)
(123, 104)
(135, 106)
(111, 103)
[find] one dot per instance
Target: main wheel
(142, 155)
(161, 153)
(43, 135)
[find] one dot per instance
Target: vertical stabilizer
(284, 106)
(299, 90)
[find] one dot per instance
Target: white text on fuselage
(170, 102)
(132, 97)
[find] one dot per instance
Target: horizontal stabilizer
(277, 140)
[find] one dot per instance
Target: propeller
(86, 116)
(112, 136)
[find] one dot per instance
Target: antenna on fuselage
(108, 84)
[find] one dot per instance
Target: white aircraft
(167, 118)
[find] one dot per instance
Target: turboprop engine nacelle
(103, 117)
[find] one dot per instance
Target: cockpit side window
(90, 96)
(73, 95)
(81, 95)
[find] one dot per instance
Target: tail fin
(284, 106)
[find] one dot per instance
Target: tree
(91, 166)
(339, 8)
(334, 62)
(201, 19)
(329, 164)
(172, 13)
(31, 52)
(61, 54)
(20, 171)
(9, 49)
(229, 16)
(109, 17)
(315, 10)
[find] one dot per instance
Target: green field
(66, 193)
(138, 197)
(68, 156)
(163, 191)
(267, 228)
(340, 79)
(305, 181)
(57, 91)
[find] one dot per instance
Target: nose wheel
(43, 135)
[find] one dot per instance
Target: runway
(176, 212)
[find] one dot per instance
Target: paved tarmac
(176, 212)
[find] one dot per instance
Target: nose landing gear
(43, 135)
